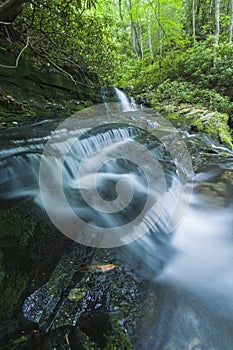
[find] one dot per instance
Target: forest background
(164, 50)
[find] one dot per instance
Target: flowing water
(173, 288)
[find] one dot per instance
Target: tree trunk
(149, 34)
(160, 33)
(141, 37)
(10, 9)
(133, 36)
(211, 13)
(120, 10)
(217, 17)
(231, 24)
(211, 8)
(198, 17)
(194, 22)
(134, 33)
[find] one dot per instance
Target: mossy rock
(118, 340)
(195, 118)
(26, 91)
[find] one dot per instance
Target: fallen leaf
(97, 268)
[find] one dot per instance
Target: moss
(21, 339)
(12, 288)
(217, 127)
(118, 340)
(215, 124)
(88, 103)
(173, 116)
(27, 92)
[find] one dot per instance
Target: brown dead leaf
(97, 268)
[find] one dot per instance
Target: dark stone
(140, 100)
(193, 128)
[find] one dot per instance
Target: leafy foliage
(68, 36)
(186, 92)
(209, 67)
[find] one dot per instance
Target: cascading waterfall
(21, 163)
(127, 104)
(185, 252)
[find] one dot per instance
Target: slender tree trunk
(160, 45)
(161, 54)
(133, 36)
(134, 33)
(217, 28)
(141, 37)
(228, 7)
(149, 34)
(231, 23)
(194, 22)
(210, 15)
(120, 10)
(132, 29)
(217, 22)
(198, 17)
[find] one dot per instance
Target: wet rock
(54, 277)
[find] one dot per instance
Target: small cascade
(110, 94)
(133, 104)
(106, 181)
(127, 104)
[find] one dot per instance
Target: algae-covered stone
(198, 119)
(118, 340)
(77, 294)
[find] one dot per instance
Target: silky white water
(185, 254)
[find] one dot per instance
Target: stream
(116, 233)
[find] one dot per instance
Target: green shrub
(205, 65)
(186, 92)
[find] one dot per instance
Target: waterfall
(125, 103)
(110, 94)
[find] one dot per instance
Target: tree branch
(57, 67)
(18, 58)
(6, 23)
